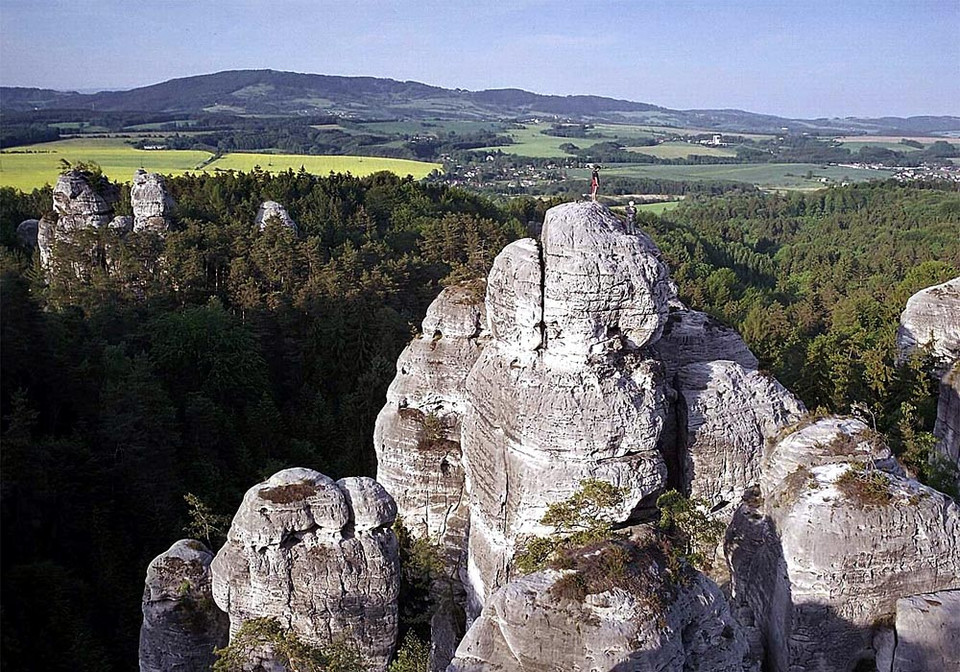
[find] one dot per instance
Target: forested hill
(293, 94)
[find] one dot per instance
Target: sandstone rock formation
(181, 624)
(836, 537)
(152, 205)
(728, 414)
(121, 224)
(417, 440)
(563, 391)
(690, 336)
(27, 232)
(526, 627)
(271, 209)
(317, 555)
(927, 635)
(77, 205)
(932, 319)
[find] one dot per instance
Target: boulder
(121, 224)
(152, 205)
(318, 556)
(932, 319)
(531, 625)
(181, 624)
(77, 205)
(272, 210)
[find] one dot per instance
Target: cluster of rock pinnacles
(582, 363)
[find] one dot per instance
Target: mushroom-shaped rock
(27, 232)
(181, 624)
(730, 414)
(270, 210)
(851, 535)
(600, 286)
(152, 205)
(932, 318)
(317, 556)
(530, 624)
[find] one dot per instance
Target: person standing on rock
(594, 183)
(631, 217)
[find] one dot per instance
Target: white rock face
(76, 205)
(181, 624)
(947, 427)
(317, 555)
(152, 205)
(417, 439)
(927, 635)
(599, 285)
(827, 564)
(122, 224)
(419, 464)
(562, 392)
(932, 317)
(271, 209)
(730, 413)
(524, 628)
(690, 336)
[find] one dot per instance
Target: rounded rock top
(372, 506)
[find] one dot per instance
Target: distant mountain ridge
(294, 94)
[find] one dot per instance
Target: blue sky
(802, 58)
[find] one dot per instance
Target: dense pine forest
(200, 363)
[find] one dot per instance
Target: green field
(681, 150)
(658, 208)
(765, 175)
(321, 165)
(119, 161)
(33, 166)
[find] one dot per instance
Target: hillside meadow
(29, 167)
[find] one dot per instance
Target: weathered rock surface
(152, 205)
(563, 391)
(599, 285)
(829, 559)
(317, 555)
(271, 209)
(947, 427)
(932, 318)
(729, 414)
(27, 232)
(76, 206)
(417, 439)
(525, 628)
(121, 224)
(690, 336)
(927, 637)
(181, 624)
